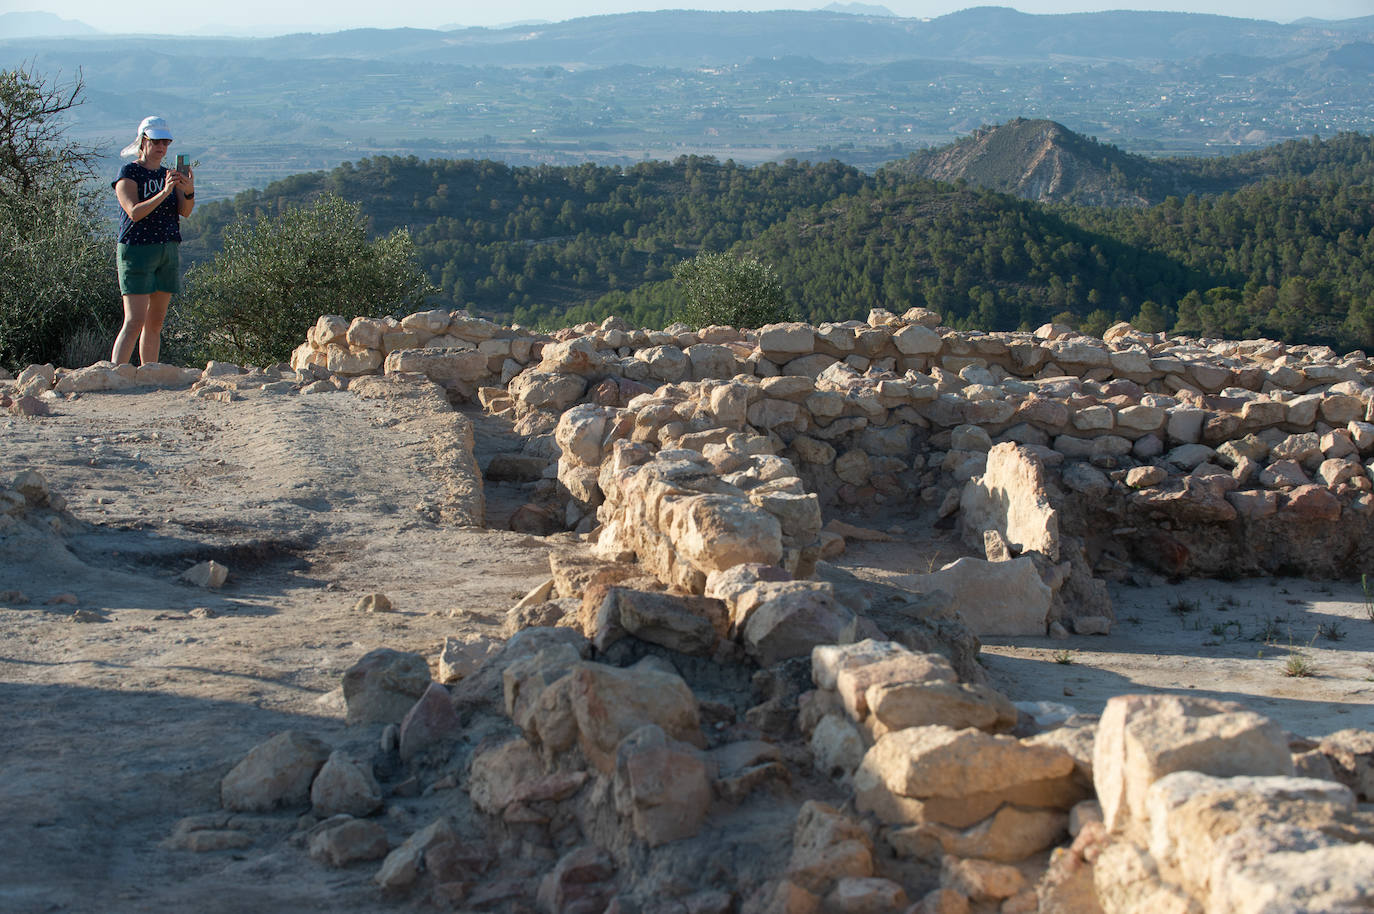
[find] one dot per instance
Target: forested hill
(1289, 256)
(1045, 161)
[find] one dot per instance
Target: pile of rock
(452, 348)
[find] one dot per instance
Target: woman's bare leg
(150, 340)
(135, 312)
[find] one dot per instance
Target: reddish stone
(430, 721)
(1312, 503)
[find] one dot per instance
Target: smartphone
(183, 165)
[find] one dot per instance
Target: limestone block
(799, 515)
(896, 706)
(714, 532)
(1140, 418)
(1332, 473)
(609, 703)
(1126, 879)
(498, 772)
(809, 366)
(1362, 434)
(666, 363)
(1013, 498)
(793, 620)
(209, 574)
(1183, 424)
(769, 413)
(1189, 814)
(581, 433)
(364, 333)
(811, 450)
(1284, 474)
(1250, 447)
(1141, 738)
(581, 881)
(433, 322)
(662, 785)
(1259, 872)
(341, 360)
(788, 388)
(1087, 479)
(344, 840)
(1078, 354)
(981, 880)
(1188, 456)
(937, 761)
(544, 390)
(575, 357)
(788, 339)
(836, 746)
(157, 374)
(393, 340)
(473, 329)
(1094, 418)
(827, 846)
(100, 376)
(872, 665)
(829, 660)
(865, 895)
(1011, 834)
(970, 438)
(1302, 411)
(1351, 753)
(711, 360)
(729, 403)
(1305, 449)
(1340, 409)
(274, 774)
(993, 598)
(330, 328)
(402, 867)
(837, 336)
(438, 364)
(915, 339)
(687, 624)
(853, 467)
(1131, 362)
(343, 786)
(383, 685)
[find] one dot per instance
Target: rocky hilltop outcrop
(692, 713)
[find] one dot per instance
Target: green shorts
(148, 268)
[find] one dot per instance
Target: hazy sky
(274, 17)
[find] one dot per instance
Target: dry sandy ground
(116, 729)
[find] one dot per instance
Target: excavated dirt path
(116, 729)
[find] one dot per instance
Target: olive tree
(253, 302)
(731, 291)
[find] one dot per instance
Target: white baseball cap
(154, 128)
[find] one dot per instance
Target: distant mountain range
(41, 25)
(843, 32)
(852, 84)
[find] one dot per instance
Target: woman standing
(152, 199)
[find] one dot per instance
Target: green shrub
(730, 291)
(255, 300)
(57, 269)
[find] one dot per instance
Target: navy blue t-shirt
(163, 224)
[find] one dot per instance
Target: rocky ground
(130, 692)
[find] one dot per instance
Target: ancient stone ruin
(694, 713)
